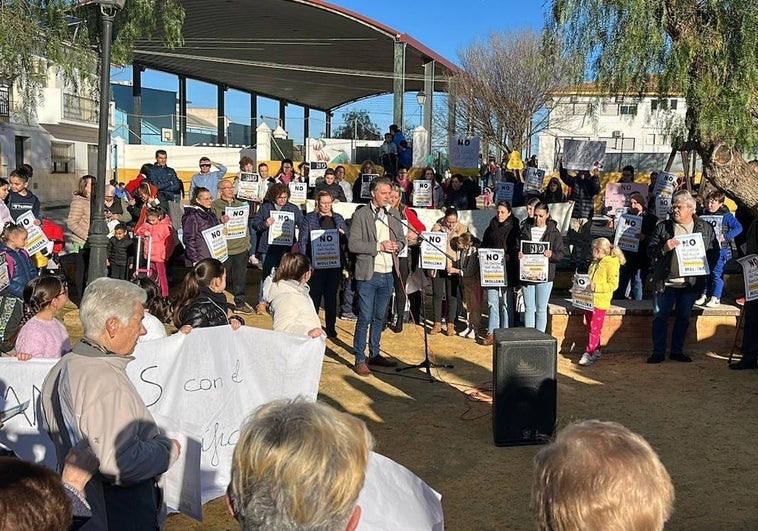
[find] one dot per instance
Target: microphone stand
(427, 362)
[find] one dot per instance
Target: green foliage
(37, 34)
(706, 50)
(357, 124)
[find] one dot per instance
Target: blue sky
(445, 26)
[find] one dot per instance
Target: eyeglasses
(205, 165)
(679, 207)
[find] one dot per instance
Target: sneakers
(701, 300)
(471, 334)
(589, 359)
(348, 317)
(262, 308)
(713, 303)
(244, 308)
(463, 333)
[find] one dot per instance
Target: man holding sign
(234, 214)
(677, 251)
(375, 231)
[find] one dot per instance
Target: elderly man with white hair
(88, 396)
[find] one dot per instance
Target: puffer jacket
(604, 273)
(78, 218)
(195, 220)
(553, 236)
(206, 310)
(20, 268)
(291, 306)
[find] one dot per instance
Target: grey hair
(684, 196)
(105, 298)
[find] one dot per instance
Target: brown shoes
(361, 369)
(380, 361)
(450, 330)
(262, 308)
(488, 340)
(436, 329)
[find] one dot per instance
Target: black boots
(747, 362)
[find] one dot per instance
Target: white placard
(236, 227)
(533, 178)
(581, 293)
(617, 194)
(422, 193)
(533, 267)
(717, 222)
(366, 179)
(662, 206)
(463, 151)
(665, 183)
(35, 239)
(216, 242)
(504, 192)
(749, 265)
(583, 154)
(249, 187)
(691, 255)
(628, 230)
(298, 193)
(433, 246)
(492, 268)
(325, 248)
(282, 232)
(318, 170)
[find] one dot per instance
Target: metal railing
(80, 109)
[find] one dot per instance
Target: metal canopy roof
(307, 52)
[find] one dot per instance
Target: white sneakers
(468, 333)
(589, 359)
(713, 303)
(701, 300)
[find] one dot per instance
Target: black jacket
(553, 236)
(504, 236)
(119, 251)
(206, 310)
(583, 192)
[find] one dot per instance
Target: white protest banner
(691, 255)
(298, 193)
(216, 242)
(533, 178)
(236, 227)
(422, 193)
(749, 265)
(397, 487)
(581, 293)
(325, 248)
(366, 179)
(617, 194)
(463, 151)
(282, 232)
(664, 183)
(533, 267)
(717, 222)
(662, 206)
(504, 192)
(318, 170)
(249, 186)
(183, 485)
(35, 238)
(492, 268)
(583, 154)
(5, 277)
(628, 230)
(433, 247)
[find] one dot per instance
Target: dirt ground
(700, 417)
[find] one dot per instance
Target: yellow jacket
(604, 273)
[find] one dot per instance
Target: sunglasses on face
(205, 165)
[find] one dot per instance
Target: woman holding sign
(537, 294)
(502, 233)
(197, 217)
(326, 233)
(445, 284)
(361, 193)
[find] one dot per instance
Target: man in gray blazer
(374, 236)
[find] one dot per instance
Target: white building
(58, 139)
(637, 131)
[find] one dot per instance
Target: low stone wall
(628, 328)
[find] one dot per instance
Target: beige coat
(291, 306)
(78, 219)
(459, 229)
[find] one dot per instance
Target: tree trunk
(728, 171)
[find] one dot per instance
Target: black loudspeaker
(524, 386)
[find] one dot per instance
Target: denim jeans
(716, 279)
(373, 298)
(500, 302)
(630, 273)
(536, 298)
(663, 303)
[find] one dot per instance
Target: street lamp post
(421, 100)
(98, 234)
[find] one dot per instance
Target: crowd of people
(378, 253)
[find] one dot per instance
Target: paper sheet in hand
(749, 265)
(582, 154)
(691, 255)
(236, 227)
(534, 267)
(628, 230)
(249, 186)
(433, 248)
(216, 242)
(581, 294)
(492, 268)
(282, 232)
(36, 240)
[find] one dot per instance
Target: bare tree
(502, 88)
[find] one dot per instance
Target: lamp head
(421, 97)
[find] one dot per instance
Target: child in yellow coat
(604, 280)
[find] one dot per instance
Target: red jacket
(162, 235)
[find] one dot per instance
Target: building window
(673, 104)
(22, 145)
(650, 140)
(628, 109)
(61, 155)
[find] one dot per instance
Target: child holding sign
(468, 268)
(604, 280)
(20, 267)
